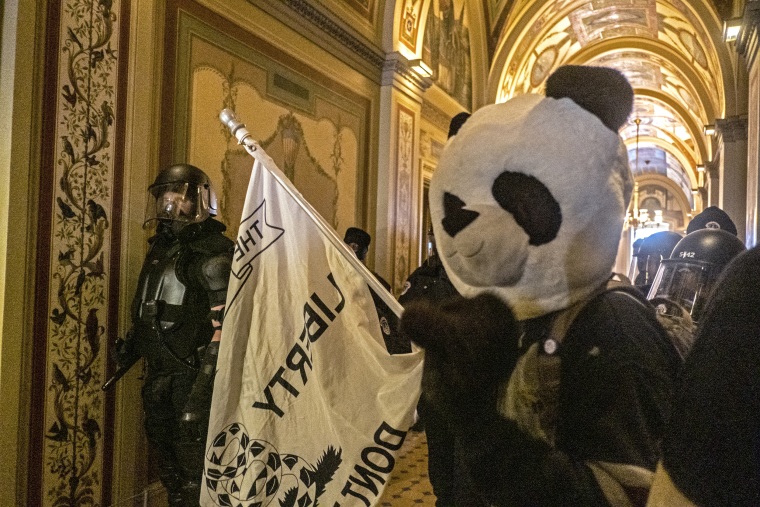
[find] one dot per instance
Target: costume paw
(470, 350)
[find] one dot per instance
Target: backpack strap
(531, 397)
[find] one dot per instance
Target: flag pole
(246, 140)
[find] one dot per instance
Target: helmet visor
(180, 202)
(644, 268)
(686, 284)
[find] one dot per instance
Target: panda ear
(602, 91)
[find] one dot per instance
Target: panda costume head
(530, 195)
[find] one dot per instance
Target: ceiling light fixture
(709, 130)
(420, 68)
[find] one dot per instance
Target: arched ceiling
(670, 50)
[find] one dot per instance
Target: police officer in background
(686, 279)
(177, 315)
(710, 451)
(358, 240)
(429, 281)
(712, 217)
(653, 249)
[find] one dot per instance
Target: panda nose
(455, 217)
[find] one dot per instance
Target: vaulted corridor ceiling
(672, 52)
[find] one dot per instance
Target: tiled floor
(409, 484)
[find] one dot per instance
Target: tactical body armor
(183, 276)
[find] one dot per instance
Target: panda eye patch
(531, 204)
(455, 217)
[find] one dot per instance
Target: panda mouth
(469, 254)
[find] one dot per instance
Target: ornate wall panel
(314, 128)
(432, 141)
(404, 170)
(410, 24)
(77, 263)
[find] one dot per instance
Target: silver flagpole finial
(237, 128)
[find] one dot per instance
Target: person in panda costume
(557, 388)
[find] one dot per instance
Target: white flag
(308, 405)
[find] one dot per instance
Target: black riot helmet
(652, 251)
(181, 194)
(687, 277)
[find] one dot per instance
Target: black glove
(124, 352)
(195, 414)
(471, 348)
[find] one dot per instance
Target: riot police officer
(710, 451)
(712, 217)
(652, 251)
(177, 315)
(685, 280)
(429, 281)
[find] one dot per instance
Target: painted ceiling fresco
(666, 48)
(446, 49)
(563, 29)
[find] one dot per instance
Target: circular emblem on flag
(407, 286)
